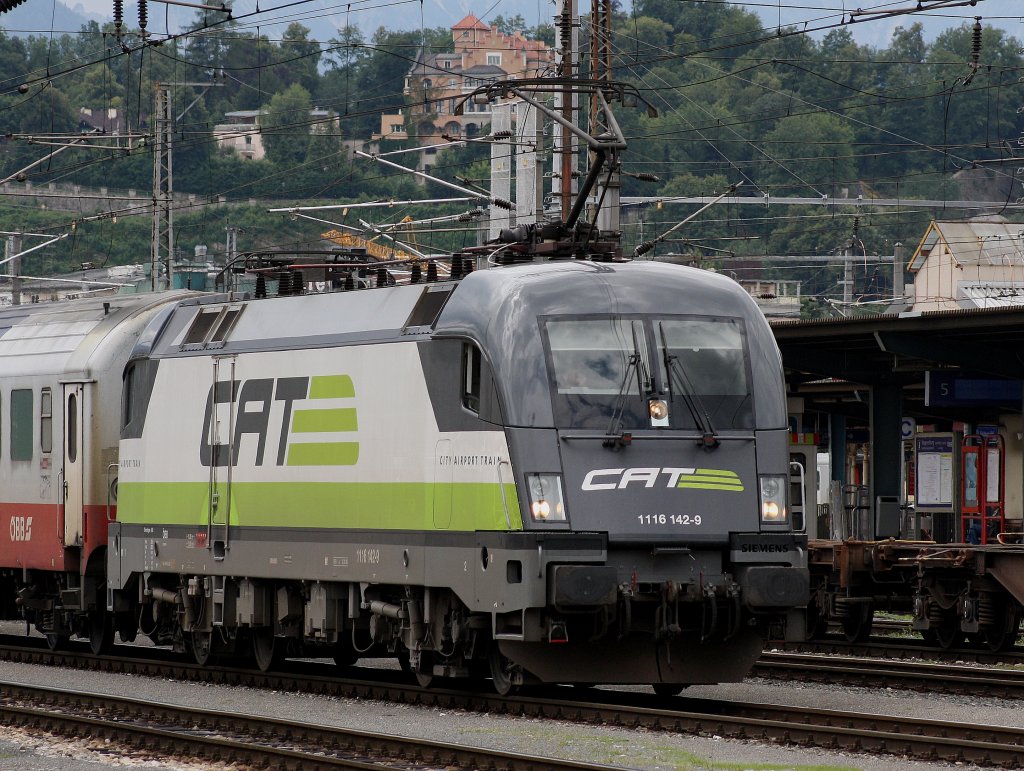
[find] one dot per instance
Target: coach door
(74, 474)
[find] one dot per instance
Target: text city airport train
(547, 472)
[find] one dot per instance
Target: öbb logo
(21, 528)
(253, 402)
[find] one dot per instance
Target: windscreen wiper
(615, 435)
(689, 395)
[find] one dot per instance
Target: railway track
(902, 648)
(931, 677)
(784, 724)
(251, 740)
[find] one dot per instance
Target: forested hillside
(781, 112)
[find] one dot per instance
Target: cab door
(220, 439)
(74, 463)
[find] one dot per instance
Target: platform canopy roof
(831, 358)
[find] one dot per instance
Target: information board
(935, 471)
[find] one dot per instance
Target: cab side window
(471, 377)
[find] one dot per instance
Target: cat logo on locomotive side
(253, 401)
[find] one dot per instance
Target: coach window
(471, 377)
(45, 420)
(21, 424)
(72, 437)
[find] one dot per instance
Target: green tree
(286, 126)
(300, 56)
(812, 155)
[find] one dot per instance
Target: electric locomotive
(570, 471)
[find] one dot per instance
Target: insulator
(382, 277)
(261, 286)
(143, 15)
(456, 266)
(118, 16)
(501, 135)
(350, 282)
(565, 30)
(283, 285)
(7, 5)
(643, 248)
(502, 203)
(644, 176)
(976, 41)
(431, 272)
(298, 282)
(417, 273)
(467, 266)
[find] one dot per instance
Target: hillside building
(242, 131)
(436, 84)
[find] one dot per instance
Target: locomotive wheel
(501, 672)
(263, 648)
(425, 672)
(201, 644)
(668, 689)
(126, 626)
(56, 642)
(101, 632)
(344, 653)
(402, 654)
(857, 625)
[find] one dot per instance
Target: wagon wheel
(817, 621)
(947, 631)
(1001, 635)
(857, 624)
(201, 644)
(501, 672)
(101, 631)
(264, 651)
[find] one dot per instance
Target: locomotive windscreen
(607, 369)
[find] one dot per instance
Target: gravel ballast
(628, 748)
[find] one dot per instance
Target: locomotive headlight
(658, 410)
(774, 510)
(546, 501)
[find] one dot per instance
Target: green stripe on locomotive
(361, 505)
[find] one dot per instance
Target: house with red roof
(437, 82)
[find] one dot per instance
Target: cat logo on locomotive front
(254, 402)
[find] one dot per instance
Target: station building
(918, 409)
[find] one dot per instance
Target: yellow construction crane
(374, 249)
